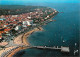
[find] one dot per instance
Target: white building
(24, 23)
(18, 28)
(28, 23)
(5, 25)
(14, 15)
(48, 16)
(29, 17)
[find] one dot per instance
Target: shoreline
(19, 40)
(22, 40)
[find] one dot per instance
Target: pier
(63, 49)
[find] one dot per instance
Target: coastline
(19, 40)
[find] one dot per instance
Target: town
(13, 25)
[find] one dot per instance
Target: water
(65, 27)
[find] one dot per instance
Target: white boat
(75, 44)
(63, 41)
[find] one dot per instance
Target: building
(28, 23)
(24, 23)
(14, 15)
(29, 17)
(6, 25)
(2, 19)
(31, 22)
(0, 37)
(7, 31)
(24, 26)
(18, 28)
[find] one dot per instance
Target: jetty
(63, 49)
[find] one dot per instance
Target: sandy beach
(19, 40)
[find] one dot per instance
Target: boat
(49, 41)
(75, 44)
(63, 41)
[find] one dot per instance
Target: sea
(66, 28)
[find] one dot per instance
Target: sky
(44, 0)
(39, 1)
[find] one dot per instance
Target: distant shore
(19, 40)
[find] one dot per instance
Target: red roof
(0, 37)
(6, 24)
(7, 29)
(1, 31)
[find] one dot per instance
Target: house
(0, 37)
(29, 17)
(7, 30)
(2, 16)
(6, 25)
(14, 15)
